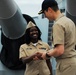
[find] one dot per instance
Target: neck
(57, 14)
(34, 40)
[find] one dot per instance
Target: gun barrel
(11, 19)
(70, 9)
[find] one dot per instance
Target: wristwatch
(47, 56)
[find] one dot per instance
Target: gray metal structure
(11, 20)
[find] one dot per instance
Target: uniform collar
(61, 15)
(39, 42)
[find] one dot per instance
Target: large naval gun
(13, 24)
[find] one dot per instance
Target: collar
(39, 42)
(61, 15)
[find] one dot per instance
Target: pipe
(70, 9)
(11, 20)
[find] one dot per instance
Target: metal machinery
(71, 11)
(13, 24)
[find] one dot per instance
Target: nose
(34, 31)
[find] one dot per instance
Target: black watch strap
(47, 56)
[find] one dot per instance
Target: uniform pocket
(64, 66)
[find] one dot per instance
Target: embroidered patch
(28, 48)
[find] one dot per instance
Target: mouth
(34, 35)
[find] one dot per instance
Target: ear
(50, 9)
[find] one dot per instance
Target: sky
(29, 7)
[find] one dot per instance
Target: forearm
(33, 57)
(57, 51)
(27, 59)
(53, 53)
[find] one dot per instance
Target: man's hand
(37, 56)
(42, 55)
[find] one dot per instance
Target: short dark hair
(49, 3)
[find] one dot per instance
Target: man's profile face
(48, 14)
